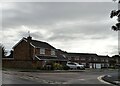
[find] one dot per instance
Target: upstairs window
(95, 59)
(76, 58)
(83, 58)
(53, 52)
(42, 51)
(106, 60)
(90, 59)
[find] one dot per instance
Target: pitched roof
(41, 44)
(23, 39)
(58, 58)
(36, 43)
(101, 56)
(81, 54)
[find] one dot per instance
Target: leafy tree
(117, 14)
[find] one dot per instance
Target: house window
(83, 58)
(106, 60)
(52, 52)
(76, 58)
(42, 51)
(90, 59)
(103, 60)
(95, 59)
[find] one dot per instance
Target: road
(85, 77)
(13, 79)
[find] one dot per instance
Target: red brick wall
(37, 51)
(47, 51)
(21, 51)
(21, 64)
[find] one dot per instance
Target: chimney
(29, 38)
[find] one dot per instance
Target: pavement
(113, 78)
(40, 71)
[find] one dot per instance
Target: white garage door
(98, 65)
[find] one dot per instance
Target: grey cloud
(33, 34)
(48, 13)
(83, 32)
(114, 49)
(37, 35)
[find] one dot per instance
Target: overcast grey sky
(83, 27)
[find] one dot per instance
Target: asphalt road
(85, 77)
(13, 79)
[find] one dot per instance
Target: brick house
(104, 60)
(116, 58)
(28, 53)
(89, 60)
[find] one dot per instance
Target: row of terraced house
(29, 53)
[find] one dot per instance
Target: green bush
(57, 66)
(53, 66)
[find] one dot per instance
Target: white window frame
(42, 51)
(52, 52)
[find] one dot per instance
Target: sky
(81, 27)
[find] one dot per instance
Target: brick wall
(48, 51)
(21, 64)
(23, 52)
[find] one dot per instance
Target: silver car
(74, 65)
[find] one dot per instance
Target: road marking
(100, 79)
(117, 82)
(81, 79)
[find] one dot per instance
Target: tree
(112, 63)
(117, 14)
(3, 51)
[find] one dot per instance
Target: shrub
(57, 66)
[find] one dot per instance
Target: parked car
(74, 65)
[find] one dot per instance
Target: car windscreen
(71, 63)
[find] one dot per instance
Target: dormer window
(52, 52)
(42, 51)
